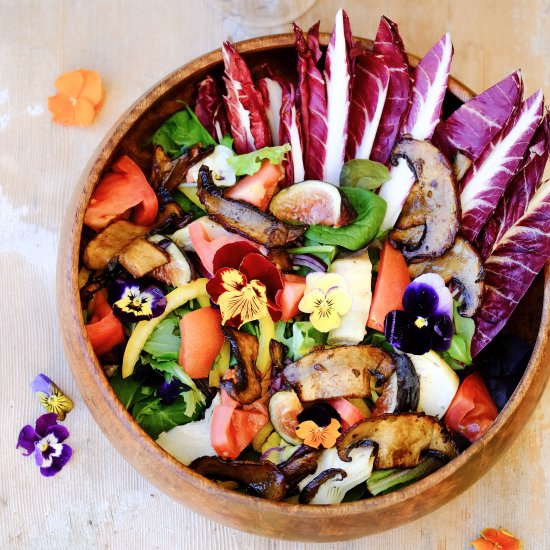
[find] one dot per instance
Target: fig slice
(429, 220)
(313, 202)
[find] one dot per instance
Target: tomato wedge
(349, 413)
(393, 279)
(259, 188)
(105, 330)
(123, 188)
(201, 341)
(472, 409)
(289, 297)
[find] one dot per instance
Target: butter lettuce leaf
(250, 163)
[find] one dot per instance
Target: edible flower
(131, 303)
(45, 441)
(51, 397)
(79, 98)
(314, 435)
(427, 321)
(326, 298)
(245, 284)
(493, 539)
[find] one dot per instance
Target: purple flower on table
(45, 441)
(132, 303)
(426, 322)
(51, 397)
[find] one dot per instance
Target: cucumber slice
(284, 408)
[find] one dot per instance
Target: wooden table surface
(98, 500)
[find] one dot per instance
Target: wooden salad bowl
(247, 513)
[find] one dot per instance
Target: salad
(300, 293)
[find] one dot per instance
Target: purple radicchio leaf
(244, 104)
(519, 192)
(368, 96)
(290, 132)
(312, 102)
(272, 94)
(430, 84)
(389, 45)
(337, 77)
(484, 183)
(472, 126)
(511, 268)
(210, 109)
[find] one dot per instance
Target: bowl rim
(100, 397)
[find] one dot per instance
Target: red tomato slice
(393, 278)
(349, 413)
(123, 188)
(222, 432)
(259, 188)
(105, 330)
(289, 297)
(201, 341)
(472, 409)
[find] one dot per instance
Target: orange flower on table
(79, 98)
(496, 539)
(314, 435)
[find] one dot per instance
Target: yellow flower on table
(326, 298)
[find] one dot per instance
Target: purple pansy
(427, 321)
(132, 303)
(45, 440)
(51, 397)
(169, 391)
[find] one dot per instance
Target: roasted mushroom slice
(262, 479)
(430, 218)
(460, 266)
(245, 386)
(178, 271)
(277, 352)
(142, 256)
(244, 218)
(400, 439)
(106, 246)
(337, 372)
(309, 492)
(301, 463)
(401, 391)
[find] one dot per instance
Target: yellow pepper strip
(267, 333)
(144, 329)
(220, 365)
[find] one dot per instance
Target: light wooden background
(98, 501)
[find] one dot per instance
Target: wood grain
(98, 501)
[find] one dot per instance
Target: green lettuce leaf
(250, 163)
(459, 354)
(299, 337)
(363, 173)
(164, 342)
(181, 130)
(128, 390)
(370, 210)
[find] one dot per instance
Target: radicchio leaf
(472, 126)
(430, 84)
(337, 77)
(290, 132)
(312, 103)
(210, 109)
(245, 107)
(519, 192)
(484, 183)
(512, 267)
(368, 96)
(389, 45)
(272, 94)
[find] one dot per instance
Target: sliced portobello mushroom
(262, 479)
(178, 271)
(244, 387)
(460, 266)
(401, 391)
(337, 372)
(299, 465)
(400, 438)
(430, 218)
(142, 256)
(277, 352)
(243, 218)
(309, 492)
(284, 408)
